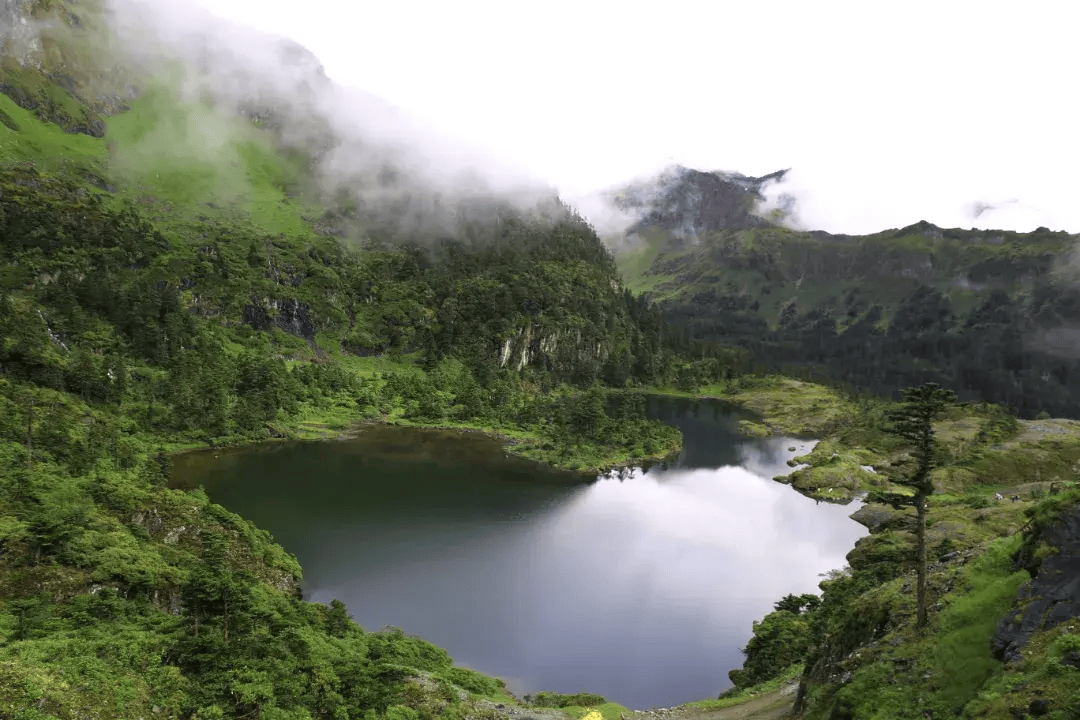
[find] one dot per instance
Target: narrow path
(775, 705)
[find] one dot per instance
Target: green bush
(560, 700)
(472, 681)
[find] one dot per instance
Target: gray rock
(1052, 595)
(881, 517)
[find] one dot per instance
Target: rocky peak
(691, 202)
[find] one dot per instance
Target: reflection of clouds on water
(768, 457)
(642, 589)
(707, 549)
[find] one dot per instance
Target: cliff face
(1053, 594)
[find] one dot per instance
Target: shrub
(472, 681)
(552, 699)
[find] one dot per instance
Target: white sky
(888, 114)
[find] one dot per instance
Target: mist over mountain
(207, 241)
(689, 202)
(993, 314)
(368, 162)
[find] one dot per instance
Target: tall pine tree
(913, 421)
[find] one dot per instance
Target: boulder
(881, 517)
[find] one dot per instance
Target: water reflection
(640, 588)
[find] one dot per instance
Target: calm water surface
(641, 589)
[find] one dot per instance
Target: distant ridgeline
(993, 315)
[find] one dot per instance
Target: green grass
(635, 265)
(794, 407)
(1041, 675)
(368, 367)
(966, 623)
(183, 163)
(45, 143)
(948, 667)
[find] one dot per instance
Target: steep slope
(254, 193)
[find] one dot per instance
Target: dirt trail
(774, 705)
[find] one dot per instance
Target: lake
(641, 588)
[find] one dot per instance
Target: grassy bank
(568, 428)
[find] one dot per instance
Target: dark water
(641, 589)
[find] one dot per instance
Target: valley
(243, 310)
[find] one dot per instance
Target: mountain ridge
(880, 311)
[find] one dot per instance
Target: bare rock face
(289, 315)
(1051, 597)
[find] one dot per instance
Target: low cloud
(603, 211)
(395, 169)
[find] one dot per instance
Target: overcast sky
(887, 114)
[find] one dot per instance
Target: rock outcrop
(289, 315)
(1051, 597)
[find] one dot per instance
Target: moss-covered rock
(848, 477)
(882, 517)
(895, 547)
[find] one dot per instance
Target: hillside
(993, 315)
(195, 252)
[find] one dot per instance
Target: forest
(120, 344)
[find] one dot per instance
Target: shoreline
(355, 429)
(784, 406)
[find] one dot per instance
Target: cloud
(398, 170)
(603, 211)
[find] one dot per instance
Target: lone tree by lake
(913, 420)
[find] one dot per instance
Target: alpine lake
(641, 586)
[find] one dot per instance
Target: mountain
(260, 174)
(994, 315)
(689, 203)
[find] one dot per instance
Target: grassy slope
(949, 671)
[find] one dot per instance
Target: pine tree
(913, 420)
